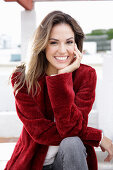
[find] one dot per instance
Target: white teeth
(61, 58)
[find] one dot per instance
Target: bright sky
(89, 14)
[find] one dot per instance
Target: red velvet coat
(67, 97)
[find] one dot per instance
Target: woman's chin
(61, 67)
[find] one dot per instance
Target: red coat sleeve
(71, 110)
(40, 129)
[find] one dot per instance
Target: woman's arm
(38, 127)
(71, 110)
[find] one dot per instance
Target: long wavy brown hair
(29, 73)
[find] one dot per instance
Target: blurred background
(18, 24)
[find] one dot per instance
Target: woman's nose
(62, 49)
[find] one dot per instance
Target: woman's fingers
(109, 157)
(77, 53)
(110, 153)
(78, 58)
(107, 145)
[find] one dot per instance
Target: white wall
(6, 91)
(106, 97)
(10, 125)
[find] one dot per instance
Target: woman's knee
(72, 144)
(71, 154)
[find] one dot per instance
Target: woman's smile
(61, 58)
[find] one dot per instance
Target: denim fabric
(71, 156)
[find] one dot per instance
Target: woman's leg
(71, 155)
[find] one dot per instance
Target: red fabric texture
(66, 97)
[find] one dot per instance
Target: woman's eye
(69, 42)
(53, 42)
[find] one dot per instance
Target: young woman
(54, 94)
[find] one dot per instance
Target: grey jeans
(71, 156)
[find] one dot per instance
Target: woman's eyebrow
(70, 38)
(54, 39)
(58, 40)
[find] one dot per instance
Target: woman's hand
(107, 145)
(75, 63)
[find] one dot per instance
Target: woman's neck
(51, 71)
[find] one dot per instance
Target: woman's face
(59, 51)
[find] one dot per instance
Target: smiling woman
(54, 109)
